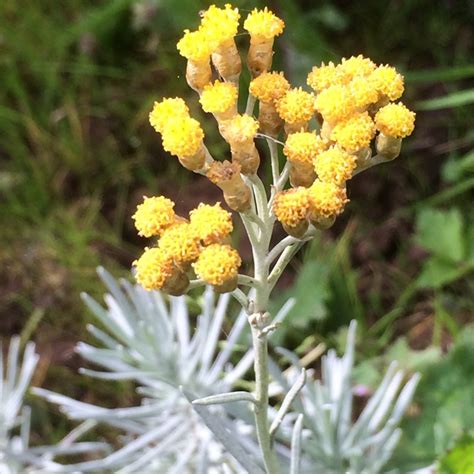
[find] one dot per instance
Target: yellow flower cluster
(329, 134)
(203, 241)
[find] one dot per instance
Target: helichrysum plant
(348, 120)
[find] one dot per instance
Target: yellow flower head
(354, 133)
(355, 66)
(388, 82)
(180, 243)
(363, 92)
(326, 200)
(296, 106)
(395, 120)
(335, 103)
(291, 206)
(154, 215)
(153, 268)
(165, 111)
(240, 129)
(217, 264)
(218, 97)
(211, 224)
(195, 46)
(335, 166)
(220, 24)
(264, 24)
(269, 86)
(323, 77)
(302, 147)
(183, 137)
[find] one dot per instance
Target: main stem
(259, 320)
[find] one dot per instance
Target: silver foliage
(164, 351)
(333, 443)
(174, 359)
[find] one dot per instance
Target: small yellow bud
(354, 133)
(388, 82)
(291, 209)
(220, 98)
(269, 86)
(195, 46)
(154, 215)
(153, 268)
(180, 243)
(296, 108)
(335, 166)
(355, 66)
(211, 224)
(166, 111)
(395, 120)
(264, 24)
(335, 103)
(323, 77)
(326, 201)
(218, 264)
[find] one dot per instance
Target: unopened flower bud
(220, 25)
(240, 133)
(195, 47)
(263, 26)
(227, 176)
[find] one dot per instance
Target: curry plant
(346, 122)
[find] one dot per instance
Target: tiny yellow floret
(154, 215)
(335, 166)
(183, 137)
(395, 120)
(165, 111)
(363, 92)
(218, 97)
(296, 106)
(264, 24)
(291, 206)
(195, 46)
(217, 264)
(322, 77)
(211, 224)
(326, 200)
(180, 243)
(355, 66)
(388, 82)
(240, 129)
(335, 103)
(354, 133)
(269, 86)
(303, 147)
(220, 24)
(153, 268)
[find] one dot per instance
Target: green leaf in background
(441, 232)
(437, 272)
(456, 99)
(441, 74)
(310, 291)
(455, 169)
(459, 460)
(444, 398)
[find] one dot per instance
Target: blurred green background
(77, 82)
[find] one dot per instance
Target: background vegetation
(76, 154)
